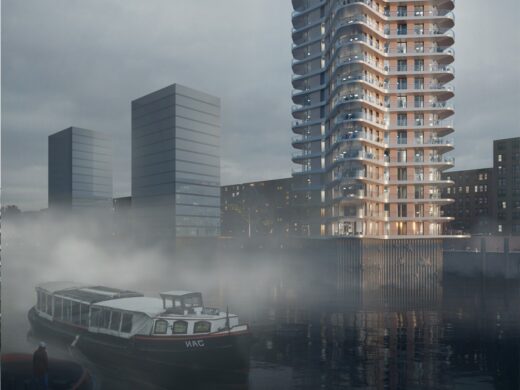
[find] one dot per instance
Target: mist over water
(306, 335)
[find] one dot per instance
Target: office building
(472, 193)
(80, 170)
(176, 164)
(260, 209)
(506, 170)
(372, 107)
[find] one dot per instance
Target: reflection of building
(264, 208)
(373, 97)
(80, 170)
(472, 195)
(506, 169)
(176, 163)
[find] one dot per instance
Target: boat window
(66, 310)
(39, 300)
(160, 326)
(126, 325)
(48, 308)
(180, 327)
(75, 312)
(192, 301)
(105, 319)
(83, 314)
(116, 320)
(202, 327)
(58, 302)
(95, 317)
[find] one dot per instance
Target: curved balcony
(302, 140)
(306, 170)
(304, 155)
(359, 116)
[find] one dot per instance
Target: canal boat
(158, 334)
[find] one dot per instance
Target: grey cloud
(81, 63)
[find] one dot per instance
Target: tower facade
(372, 106)
(80, 170)
(176, 164)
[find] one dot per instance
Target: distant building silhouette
(176, 164)
(80, 170)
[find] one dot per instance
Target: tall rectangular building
(80, 170)
(372, 94)
(176, 164)
(506, 169)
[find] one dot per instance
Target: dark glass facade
(176, 163)
(80, 169)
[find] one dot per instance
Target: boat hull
(217, 352)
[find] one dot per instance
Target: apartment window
(402, 174)
(419, 83)
(419, 65)
(401, 65)
(402, 136)
(419, 210)
(402, 83)
(419, 29)
(419, 155)
(401, 10)
(418, 101)
(419, 119)
(402, 29)
(419, 174)
(401, 155)
(500, 228)
(419, 47)
(476, 188)
(402, 120)
(419, 137)
(401, 47)
(401, 192)
(419, 10)
(401, 101)
(402, 210)
(419, 192)
(499, 158)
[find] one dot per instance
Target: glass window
(401, 47)
(95, 317)
(419, 83)
(75, 312)
(419, 101)
(402, 137)
(58, 302)
(105, 319)
(402, 29)
(180, 327)
(66, 310)
(115, 321)
(419, 29)
(126, 325)
(160, 327)
(401, 65)
(202, 327)
(419, 10)
(402, 83)
(401, 10)
(401, 101)
(402, 119)
(419, 65)
(419, 47)
(401, 192)
(83, 314)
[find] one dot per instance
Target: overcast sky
(81, 62)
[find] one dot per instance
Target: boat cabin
(182, 302)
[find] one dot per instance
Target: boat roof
(147, 305)
(87, 293)
(52, 287)
(178, 293)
